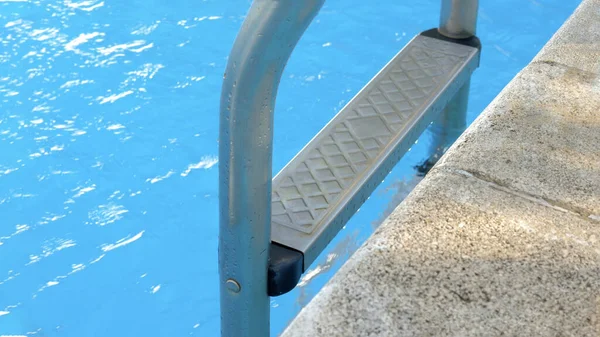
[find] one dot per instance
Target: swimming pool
(108, 144)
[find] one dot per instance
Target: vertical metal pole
(260, 52)
(450, 124)
(458, 20)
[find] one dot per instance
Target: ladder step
(318, 191)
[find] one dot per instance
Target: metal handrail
(458, 18)
(261, 50)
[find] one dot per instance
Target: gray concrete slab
(463, 256)
(577, 43)
(541, 136)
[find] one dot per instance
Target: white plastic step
(318, 191)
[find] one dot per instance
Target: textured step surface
(320, 189)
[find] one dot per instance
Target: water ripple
(145, 30)
(107, 214)
(114, 97)
(122, 242)
(87, 6)
(83, 190)
(159, 178)
(81, 39)
(205, 163)
(49, 248)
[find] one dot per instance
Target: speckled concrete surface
(465, 257)
(541, 136)
(577, 43)
(502, 238)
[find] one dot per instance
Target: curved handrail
(261, 50)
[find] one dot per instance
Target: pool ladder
(272, 229)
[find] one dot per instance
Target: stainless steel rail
(318, 191)
(261, 50)
(458, 19)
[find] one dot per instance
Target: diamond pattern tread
(323, 179)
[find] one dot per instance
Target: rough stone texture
(577, 44)
(465, 257)
(541, 136)
(502, 238)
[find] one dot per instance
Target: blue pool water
(108, 148)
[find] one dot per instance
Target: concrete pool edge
(503, 235)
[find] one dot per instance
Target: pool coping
(503, 235)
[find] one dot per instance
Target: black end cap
(472, 41)
(285, 269)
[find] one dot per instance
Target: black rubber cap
(285, 269)
(472, 41)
